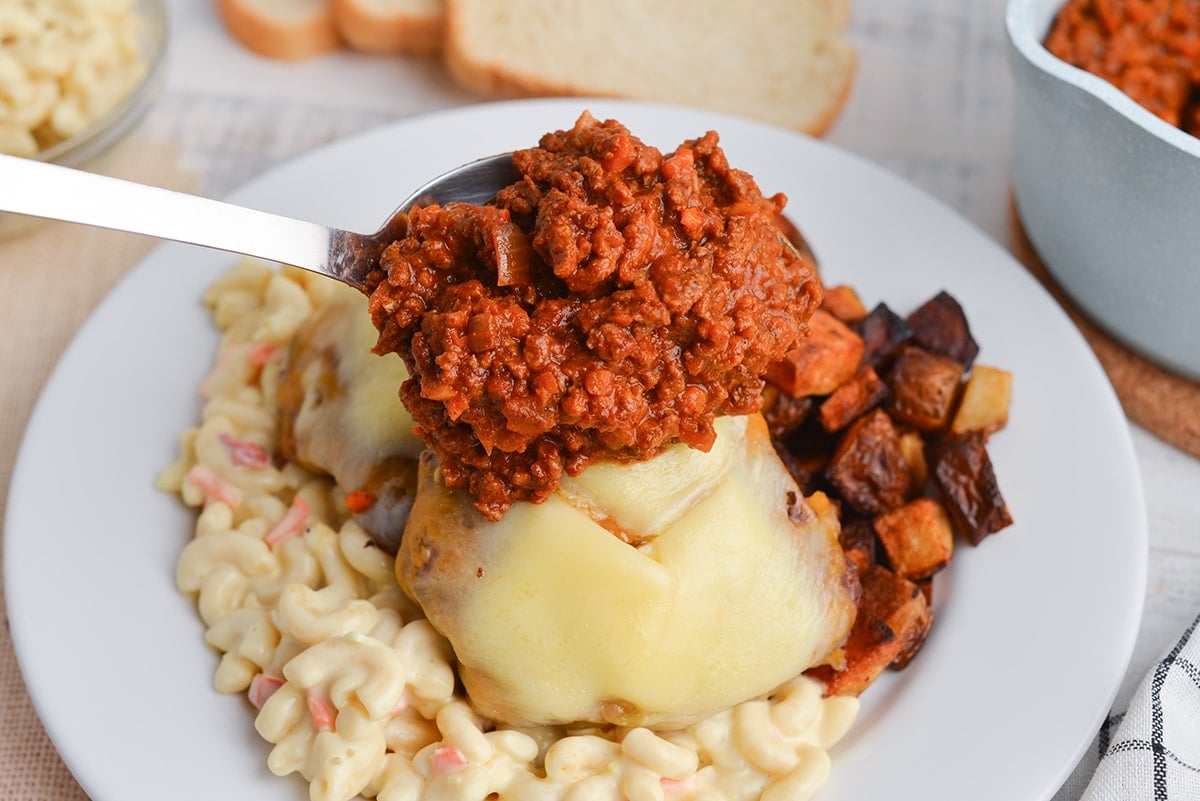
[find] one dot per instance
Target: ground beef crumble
(609, 304)
(1149, 49)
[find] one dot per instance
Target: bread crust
(498, 78)
(821, 125)
(286, 40)
(368, 31)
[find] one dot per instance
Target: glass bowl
(88, 148)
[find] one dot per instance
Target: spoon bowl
(46, 190)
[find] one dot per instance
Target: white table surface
(931, 103)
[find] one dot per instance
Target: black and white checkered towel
(1151, 751)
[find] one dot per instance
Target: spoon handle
(48, 190)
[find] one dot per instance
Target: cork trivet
(51, 276)
(1163, 403)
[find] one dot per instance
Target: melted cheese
(352, 420)
(642, 498)
(555, 620)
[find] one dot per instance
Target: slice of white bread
(282, 29)
(391, 26)
(782, 61)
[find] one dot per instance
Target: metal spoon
(48, 190)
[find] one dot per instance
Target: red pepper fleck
(360, 500)
(245, 454)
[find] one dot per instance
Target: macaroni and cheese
(63, 65)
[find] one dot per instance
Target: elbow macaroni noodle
(355, 690)
(63, 64)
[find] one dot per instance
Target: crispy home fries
(593, 492)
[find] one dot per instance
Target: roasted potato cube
(843, 302)
(822, 361)
(782, 412)
(882, 331)
(919, 631)
(912, 445)
(868, 470)
(924, 388)
(940, 325)
(963, 472)
(805, 453)
(858, 541)
(917, 537)
(808, 474)
(864, 391)
(892, 623)
(926, 586)
(985, 400)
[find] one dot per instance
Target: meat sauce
(1149, 49)
(610, 303)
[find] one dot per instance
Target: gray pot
(1109, 195)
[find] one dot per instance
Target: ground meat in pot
(1149, 49)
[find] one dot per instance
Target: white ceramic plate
(1034, 627)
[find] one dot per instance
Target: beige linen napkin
(51, 276)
